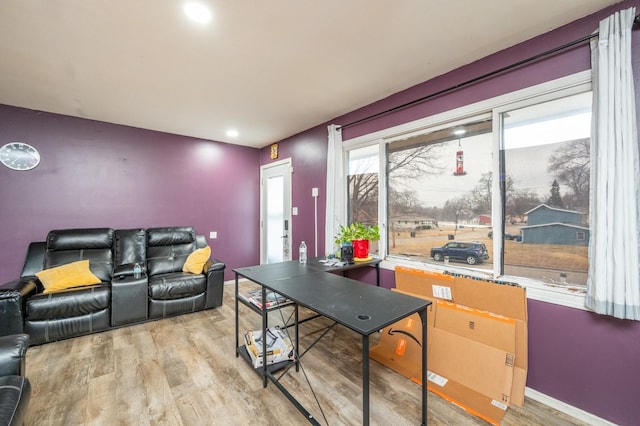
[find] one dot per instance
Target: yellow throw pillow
(75, 274)
(196, 260)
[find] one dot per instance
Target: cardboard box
(400, 344)
(474, 349)
(425, 283)
(477, 341)
(507, 300)
(279, 347)
(470, 357)
(475, 376)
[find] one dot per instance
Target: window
(439, 190)
(363, 187)
(500, 186)
(545, 152)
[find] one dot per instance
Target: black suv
(471, 253)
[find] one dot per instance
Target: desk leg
(423, 319)
(237, 324)
(297, 339)
(264, 338)
(378, 274)
(365, 380)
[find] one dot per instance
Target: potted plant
(359, 236)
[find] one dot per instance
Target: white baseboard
(566, 408)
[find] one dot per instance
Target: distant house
(545, 214)
(414, 222)
(550, 225)
(484, 219)
(555, 233)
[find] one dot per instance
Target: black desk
(360, 307)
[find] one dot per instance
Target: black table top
(293, 268)
(358, 306)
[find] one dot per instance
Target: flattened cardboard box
(425, 283)
(461, 369)
(472, 375)
(476, 349)
(507, 300)
(400, 344)
(502, 299)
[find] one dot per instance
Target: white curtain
(336, 183)
(613, 283)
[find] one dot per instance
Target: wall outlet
(314, 192)
(213, 235)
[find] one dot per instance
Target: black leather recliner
(73, 312)
(15, 389)
(172, 291)
(122, 298)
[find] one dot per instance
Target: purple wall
(589, 361)
(94, 174)
(308, 153)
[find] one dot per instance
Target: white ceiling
(269, 68)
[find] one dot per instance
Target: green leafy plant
(357, 231)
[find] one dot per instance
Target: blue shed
(555, 233)
(545, 214)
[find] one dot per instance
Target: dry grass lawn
(549, 256)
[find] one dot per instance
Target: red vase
(360, 249)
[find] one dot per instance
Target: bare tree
(520, 202)
(404, 165)
(570, 166)
(412, 163)
(363, 198)
(480, 196)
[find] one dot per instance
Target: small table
(373, 262)
(358, 306)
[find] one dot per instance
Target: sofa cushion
(70, 245)
(73, 239)
(69, 303)
(51, 330)
(196, 260)
(176, 285)
(130, 246)
(74, 274)
(168, 248)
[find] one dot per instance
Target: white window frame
(565, 86)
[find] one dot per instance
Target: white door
(275, 212)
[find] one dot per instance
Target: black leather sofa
(121, 298)
(15, 389)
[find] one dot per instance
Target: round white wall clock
(19, 156)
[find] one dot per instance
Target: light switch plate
(294, 211)
(213, 235)
(314, 192)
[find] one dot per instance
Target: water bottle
(303, 252)
(137, 270)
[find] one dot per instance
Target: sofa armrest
(128, 299)
(215, 283)
(13, 349)
(13, 299)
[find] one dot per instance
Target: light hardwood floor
(183, 371)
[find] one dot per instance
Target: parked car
(506, 236)
(470, 252)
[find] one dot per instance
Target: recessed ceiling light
(459, 132)
(197, 11)
(232, 133)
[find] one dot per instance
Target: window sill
(571, 297)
